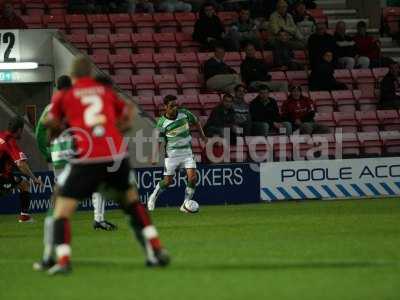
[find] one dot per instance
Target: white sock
(158, 190)
(99, 203)
(48, 237)
(63, 250)
(189, 192)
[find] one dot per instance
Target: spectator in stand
(346, 50)
(300, 112)
(390, 88)
(208, 29)
(254, 72)
(242, 110)
(284, 56)
(303, 20)
(140, 6)
(218, 75)
(367, 45)
(243, 30)
(82, 6)
(174, 6)
(319, 43)
(322, 76)
(265, 116)
(113, 6)
(222, 118)
(9, 19)
(282, 20)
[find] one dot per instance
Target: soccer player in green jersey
(174, 130)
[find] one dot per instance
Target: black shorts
(80, 181)
(7, 184)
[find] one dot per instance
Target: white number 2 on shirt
(92, 115)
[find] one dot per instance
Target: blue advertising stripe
(388, 189)
(343, 190)
(284, 193)
(358, 190)
(373, 189)
(314, 191)
(299, 192)
(398, 184)
(329, 191)
(269, 194)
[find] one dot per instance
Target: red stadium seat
(102, 61)
(56, 7)
(188, 63)
(323, 101)
(259, 148)
(165, 42)
(121, 43)
(344, 100)
(379, 73)
(166, 22)
(100, 24)
(35, 7)
(390, 119)
(346, 121)
(278, 76)
(55, 21)
(186, 43)
(297, 77)
(144, 42)
(166, 63)
(279, 96)
(282, 148)
(33, 22)
(202, 57)
(325, 118)
(77, 24)
(391, 142)
(122, 64)
(166, 84)
(122, 23)
(98, 43)
(79, 41)
(327, 144)
(301, 145)
(144, 23)
(371, 143)
(143, 85)
(349, 143)
(344, 76)
(209, 101)
(368, 120)
(364, 79)
(186, 21)
(192, 103)
(251, 96)
(124, 82)
(144, 63)
(233, 59)
(366, 99)
(227, 17)
(147, 103)
(189, 84)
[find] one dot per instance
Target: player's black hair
(219, 45)
(103, 79)
(293, 87)
(81, 67)
(64, 82)
(15, 124)
(169, 98)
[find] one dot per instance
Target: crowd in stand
(278, 26)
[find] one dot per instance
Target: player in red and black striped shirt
(11, 157)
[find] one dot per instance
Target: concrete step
(387, 42)
(340, 13)
(331, 4)
(391, 52)
(351, 23)
(372, 31)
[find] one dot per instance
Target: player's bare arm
(26, 170)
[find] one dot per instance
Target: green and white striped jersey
(60, 149)
(176, 133)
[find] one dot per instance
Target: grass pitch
(307, 250)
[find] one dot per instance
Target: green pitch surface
(310, 250)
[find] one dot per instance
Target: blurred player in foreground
(96, 118)
(174, 131)
(11, 156)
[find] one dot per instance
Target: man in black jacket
(208, 29)
(254, 72)
(218, 75)
(319, 43)
(265, 116)
(390, 88)
(222, 117)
